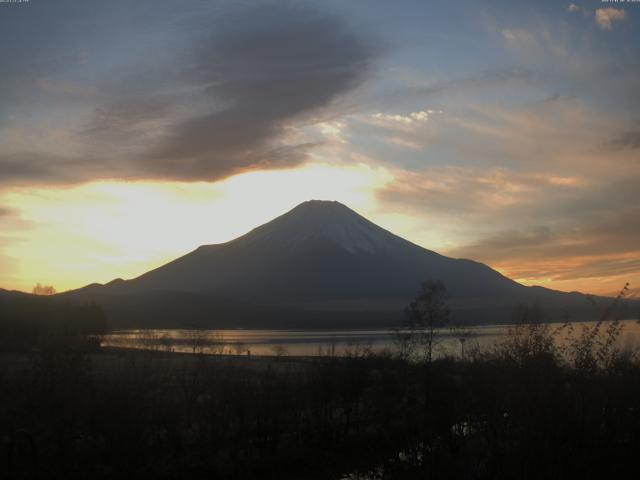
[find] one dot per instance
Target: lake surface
(323, 342)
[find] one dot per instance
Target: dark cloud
(123, 114)
(193, 96)
(267, 69)
(27, 166)
(37, 168)
(613, 235)
(49, 43)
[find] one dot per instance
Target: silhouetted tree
(40, 289)
(426, 313)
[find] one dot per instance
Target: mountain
(5, 294)
(320, 262)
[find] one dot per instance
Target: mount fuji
(320, 264)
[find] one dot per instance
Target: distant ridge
(321, 261)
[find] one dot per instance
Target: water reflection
(321, 342)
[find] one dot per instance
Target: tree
(426, 313)
(40, 289)
(197, 339)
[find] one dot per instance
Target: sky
(503, 131)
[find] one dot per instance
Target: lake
(323, 342)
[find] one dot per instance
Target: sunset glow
(95, 232)
(505, 135)
(319, 239)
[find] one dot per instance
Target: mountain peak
(323, 210)
(313, 203)
(323, 220)
(326, 210)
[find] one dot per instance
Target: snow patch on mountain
(327, 221)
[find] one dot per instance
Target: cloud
(474, 192)
(218, 91)
(612, 234)
(606, 250)
(274, 68)
(558, 131)
(5, 212)
(594, 233)
(629, 140)
(402, 142)
(574, 8)
(11, 219)
(490, 79)
(536, 44)
(421, 91)
(334, 130)
(606, 16)
(549, 224)
(403, 130)
(519, 35)
(598, 268)
(408, 119)
(35, 168)
(550, 130)
(128, 115)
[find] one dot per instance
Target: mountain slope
(319, 251)
(323, 256)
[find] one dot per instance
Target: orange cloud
(606, 16)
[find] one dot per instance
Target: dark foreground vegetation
(527, 409)
(34, 321)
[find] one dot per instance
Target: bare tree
(279, 351)
(426, 313)
(462, 334)
(197, 340)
